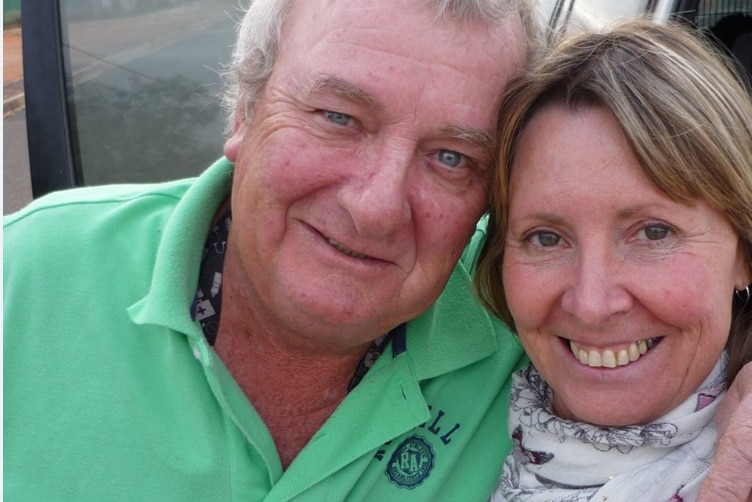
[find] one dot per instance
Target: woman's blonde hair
(683, 110)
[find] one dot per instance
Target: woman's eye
(545, 239)
(655, 232)
(450, 158)
(338, 118)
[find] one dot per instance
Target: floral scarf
(559, 460)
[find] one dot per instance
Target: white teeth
(634, 354)
(609, 358)
(343, 249)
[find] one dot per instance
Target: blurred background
(127, 91)
(135, 82)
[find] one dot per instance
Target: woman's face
(621, 296)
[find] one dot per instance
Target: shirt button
(196, 353)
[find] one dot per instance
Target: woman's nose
(597, 291)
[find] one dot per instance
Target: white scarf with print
(558, 460)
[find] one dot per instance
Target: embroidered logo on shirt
(411, 463)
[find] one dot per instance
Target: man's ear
(235, 141)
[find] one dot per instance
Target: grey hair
(260, 30)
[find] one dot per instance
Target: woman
(620, 229)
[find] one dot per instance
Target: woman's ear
(743, 266)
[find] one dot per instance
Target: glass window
(730, 23)
(143, 85)
(710, 12)
(591, 13)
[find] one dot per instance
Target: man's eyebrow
(345, 89)
(478, 137)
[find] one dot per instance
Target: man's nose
(596, 291)
(377, 194)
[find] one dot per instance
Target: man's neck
(293, 394)
(293, 386)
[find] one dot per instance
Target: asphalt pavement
(108, 43)
(16, 181)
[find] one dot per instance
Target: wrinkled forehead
(406, 27)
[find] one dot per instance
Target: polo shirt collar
(175, 276)
(453, 333)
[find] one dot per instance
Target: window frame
(48, 112)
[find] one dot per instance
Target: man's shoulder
(75, 202)
(82, 231)
(83, 209)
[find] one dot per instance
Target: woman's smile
(612, 357)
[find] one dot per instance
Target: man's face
(365, 166)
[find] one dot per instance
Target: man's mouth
(611, 358)
(349, 252)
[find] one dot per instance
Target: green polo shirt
(112, 393)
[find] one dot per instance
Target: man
(271, 330)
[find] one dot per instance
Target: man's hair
(260, 30)
(683, 111)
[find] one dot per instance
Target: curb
(13, 104)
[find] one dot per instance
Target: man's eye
(450, 158)
(545, 239)
(338, 118)
(655, 232)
